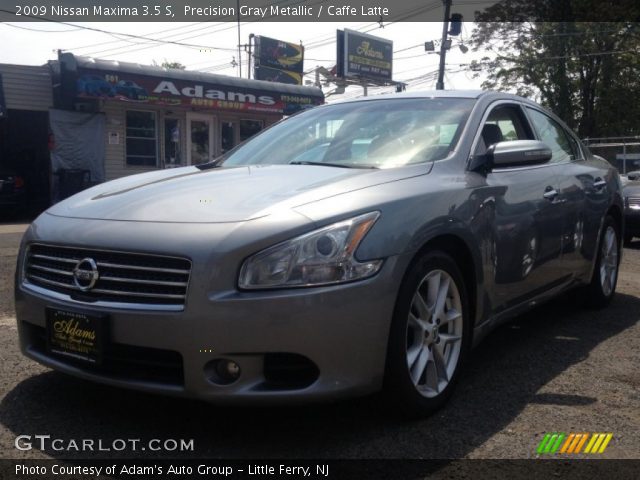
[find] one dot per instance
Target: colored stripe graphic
(543, 443)
(547, 448)
(554, 449)
(607, 439)
(592, 441)
(567, 442)
(573, 443)
(596, 445)
(582, 441)
(577, 439)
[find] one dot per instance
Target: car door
(583, 190)
(527, 223)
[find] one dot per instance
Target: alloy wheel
(434, 333)
(608, 261)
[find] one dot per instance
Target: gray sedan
(353, 247)
(631, 192)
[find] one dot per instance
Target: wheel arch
(616, 213)
(460, 250)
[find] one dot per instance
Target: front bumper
(632, 221)
(13, 198)
(340, 330)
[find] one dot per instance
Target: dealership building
(103, 119)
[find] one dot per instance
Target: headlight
(321, 257)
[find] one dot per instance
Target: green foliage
(588, 73)
(167, 64)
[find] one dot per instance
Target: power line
(38, 30)
(198, 24)
(129, 35)
(562, 57)
(124, 49)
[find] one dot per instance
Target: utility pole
(443, 44)
(250, 57)
(239, 46)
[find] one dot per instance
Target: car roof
(473, 94)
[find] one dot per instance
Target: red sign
(145, 89)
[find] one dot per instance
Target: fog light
(222, 371)
(232, 369)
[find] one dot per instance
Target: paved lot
(558, 368)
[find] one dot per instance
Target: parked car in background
(352, 247)
(631, 192)
(13, 192)
(95, 86)
(630, 177)
(130, 90)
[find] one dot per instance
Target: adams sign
(364, 56)
(146, 89)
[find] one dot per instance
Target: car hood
(230, 194)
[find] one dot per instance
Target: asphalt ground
(559, 368)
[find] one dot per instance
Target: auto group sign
(146, 89)
(364, 56)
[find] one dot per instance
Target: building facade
(110, 119)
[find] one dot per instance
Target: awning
(145, 84)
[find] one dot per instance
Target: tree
(584, 71)
(167, 64)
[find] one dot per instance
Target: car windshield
(375, 134)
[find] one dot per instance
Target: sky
(34, 43)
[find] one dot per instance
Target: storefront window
(172, 153)
(227, 136)
(248, 128)
(142, 139)
(200, 141)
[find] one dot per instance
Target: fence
(622, 152)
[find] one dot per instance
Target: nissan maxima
(352, 247)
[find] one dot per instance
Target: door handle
(550, 193)
(599, 183)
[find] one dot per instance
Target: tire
(602, 288)
(425, 354)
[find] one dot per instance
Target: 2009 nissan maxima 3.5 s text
(352, 247)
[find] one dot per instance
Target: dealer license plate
(76, 335)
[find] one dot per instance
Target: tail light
(18, 182)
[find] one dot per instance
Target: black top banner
(3, 105)
(384, 11)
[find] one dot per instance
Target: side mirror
(517, 153)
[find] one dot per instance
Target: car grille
(128, 278)
(634, 202)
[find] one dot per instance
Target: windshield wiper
(339, 165)
(215, 163)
